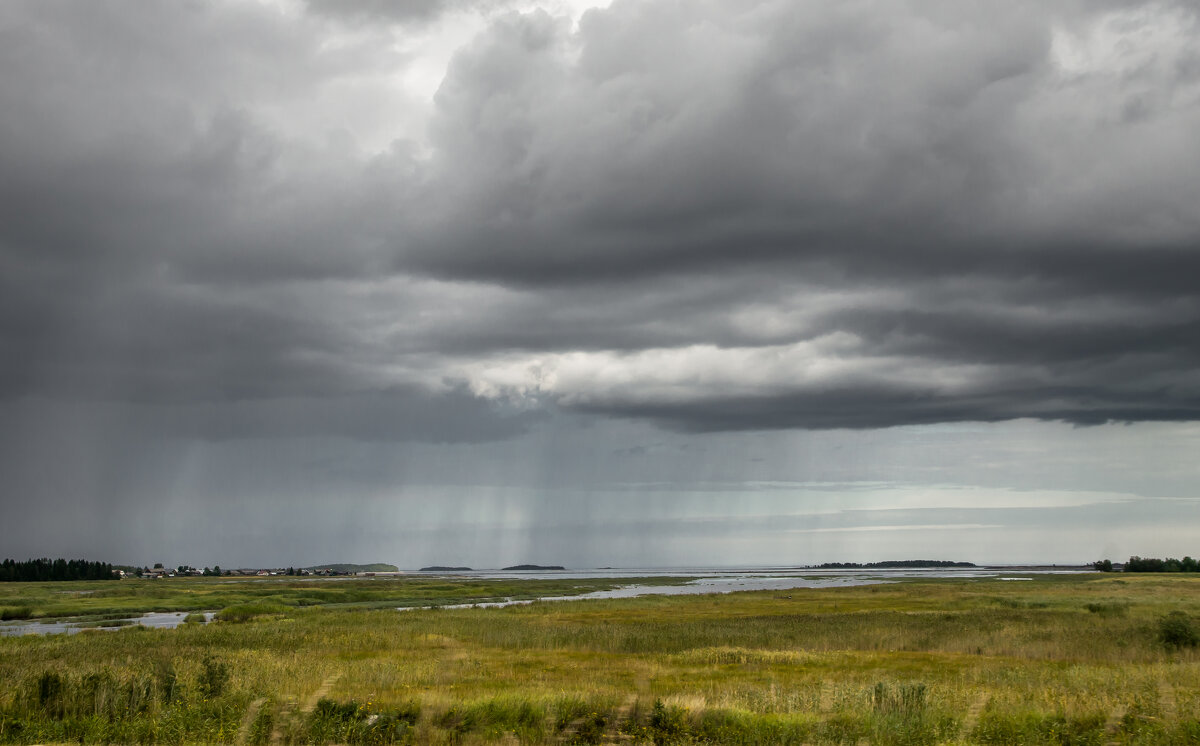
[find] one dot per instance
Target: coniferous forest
(47, 569)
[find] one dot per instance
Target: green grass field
(1086, 659)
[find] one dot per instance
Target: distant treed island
(531, 568)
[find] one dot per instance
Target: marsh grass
(134, 596)
(1056, 660)
(15, 612)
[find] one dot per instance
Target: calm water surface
(157, 619)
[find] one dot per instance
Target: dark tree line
(1153, 564)
(34, 570)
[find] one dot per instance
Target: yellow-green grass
(1059, 659)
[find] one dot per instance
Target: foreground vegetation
(1088, 659)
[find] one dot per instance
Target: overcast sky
(654, 282)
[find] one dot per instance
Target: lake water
(730, 580)
(157, 619)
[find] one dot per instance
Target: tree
(1144, 564)
(1102, 565)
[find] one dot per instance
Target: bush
(668, 724)
(166, 680)
(1176, 630)
(591, 730)
(351, 722)
(214, 677)
(569, 709)
(49, 693)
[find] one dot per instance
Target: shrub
(214, 677)
(591, 730)
(166, 681)
(668, 724)
(1176, 630)
(569, 709)
(49, 693)
(351, 722)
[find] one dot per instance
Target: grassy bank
(1062, 659)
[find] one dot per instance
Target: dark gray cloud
(418, 10)
(1005, 199)
(412, 12)
(710, 215)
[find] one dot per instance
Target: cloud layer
(710, 215)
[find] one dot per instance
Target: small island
(525, 568)
(443, 568)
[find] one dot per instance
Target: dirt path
(1166, 700)
(614, 734)
(243, 734)
(284, 715)
(1113, 725)
(288, 711)
(311, 703)
(972, 718)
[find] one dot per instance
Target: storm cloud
(708, 215)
